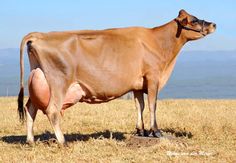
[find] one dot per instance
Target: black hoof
(156, 133)
(142, 133)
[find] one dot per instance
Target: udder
(40, 94)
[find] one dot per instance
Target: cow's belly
(40, 94)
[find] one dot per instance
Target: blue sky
(19, 17)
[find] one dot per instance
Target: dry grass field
(201, 131)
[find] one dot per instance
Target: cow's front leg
(31, 112)
(139, 103)
(152, 98)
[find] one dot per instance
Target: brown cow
(99, 66)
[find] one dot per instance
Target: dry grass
(204, 130)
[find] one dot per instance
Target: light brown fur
(98, 66)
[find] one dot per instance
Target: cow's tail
(21, 109)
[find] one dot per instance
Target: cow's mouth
(210, 28)
(203, 33)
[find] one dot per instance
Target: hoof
(156, 133)
(142, 133)
(30, 143)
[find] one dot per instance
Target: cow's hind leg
(53, 114)
(54, 118)
(139, 104)
(49, 100)
(31, 112)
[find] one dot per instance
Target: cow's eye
(194, 21)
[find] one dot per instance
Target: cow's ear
(184, 22)
(182, 13)
(182, 18)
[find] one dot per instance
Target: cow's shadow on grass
(72, 137)
(177, 133)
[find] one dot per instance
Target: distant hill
(198, 74)
(10, 71)
(203, 74)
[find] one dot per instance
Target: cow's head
(193, 28)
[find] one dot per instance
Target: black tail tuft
(21, 110)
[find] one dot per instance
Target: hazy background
(205, 69)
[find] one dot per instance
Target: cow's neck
(170, 39)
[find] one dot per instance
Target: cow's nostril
(214, 25)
